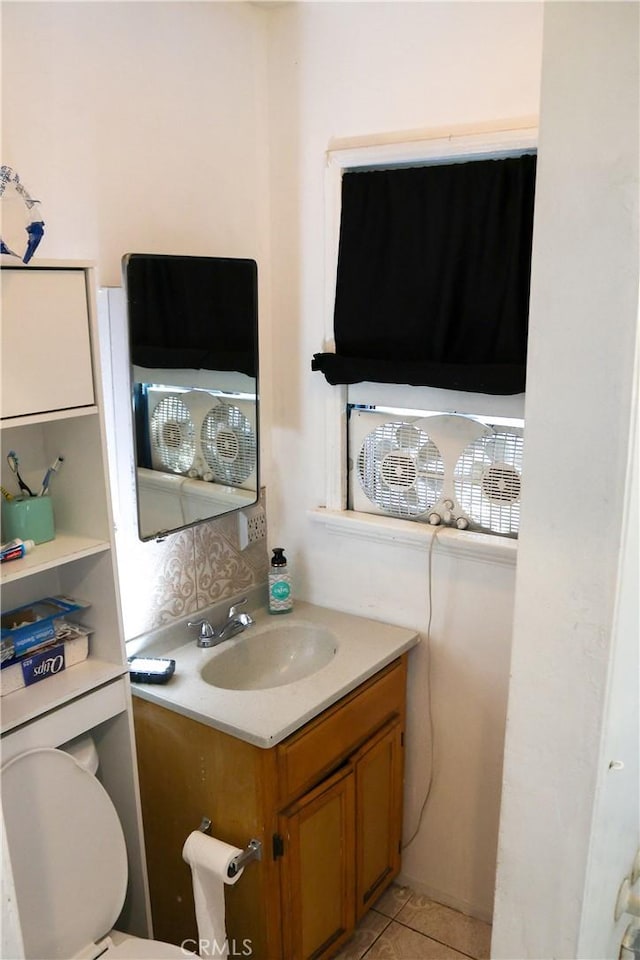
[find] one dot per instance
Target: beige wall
(202, 128)
(356, 70)
(141, 127)
(570, 823)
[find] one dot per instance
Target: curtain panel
(433, 276)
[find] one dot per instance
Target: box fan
(437, 468)
(201, 435)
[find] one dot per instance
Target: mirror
(193, 342)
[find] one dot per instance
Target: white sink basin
(273, 656)
(267, 682)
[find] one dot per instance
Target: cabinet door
(378, 779)
(46, 352)
(317, 870)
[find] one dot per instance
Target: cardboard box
(47, 661)
(34, 625)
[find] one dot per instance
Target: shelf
(46, 263)
(47, 556)
(48, 416)
(50, 328)
(27, 704)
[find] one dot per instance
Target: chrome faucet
(235, 623)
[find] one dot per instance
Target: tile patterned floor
(405, 926)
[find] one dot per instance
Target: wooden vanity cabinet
(343, 843)
(326, 803)
(317, 879)
(378, 787)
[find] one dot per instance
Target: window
(433, 275)
(362, 391)
(461, 471)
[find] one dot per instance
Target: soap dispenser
(280, 599)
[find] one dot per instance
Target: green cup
(28, 518)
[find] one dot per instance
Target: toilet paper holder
(253, 851)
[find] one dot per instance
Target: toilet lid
(67, 852)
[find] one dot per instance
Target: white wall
(148, 126)
(615, 830)
(144, 125)
(139, 126)
(351, 70)
(583, 328)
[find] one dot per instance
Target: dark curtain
(433, 276)
(192, 312)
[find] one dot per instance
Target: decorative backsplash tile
(222, 570)
(173, 582)
(187, 572)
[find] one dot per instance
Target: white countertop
(265, 717)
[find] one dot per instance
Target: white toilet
(69, 862)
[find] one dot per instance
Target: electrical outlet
(252, 526)
(257, 526)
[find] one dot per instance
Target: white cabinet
(49, 337)
(79, 561)
(45, 341)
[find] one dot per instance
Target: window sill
(464, 544)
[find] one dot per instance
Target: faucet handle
(233, 611)
(206, 630)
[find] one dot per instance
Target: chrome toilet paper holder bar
(253, 851)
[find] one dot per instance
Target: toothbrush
(14, 463)
(55, 466)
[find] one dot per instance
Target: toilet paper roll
(209, 860)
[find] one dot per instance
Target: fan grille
(228, 444)
(501, 483)
(488, 482)
(173, 434)
(400, 469)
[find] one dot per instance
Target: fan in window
(400, 469)
(172, 433)
(488, 480)
(228, 444)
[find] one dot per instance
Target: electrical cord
(427, 794)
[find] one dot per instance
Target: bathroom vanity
(323, 795)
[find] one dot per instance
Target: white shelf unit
(64, 549)
(92, 697)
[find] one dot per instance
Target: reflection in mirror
(194, 374)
